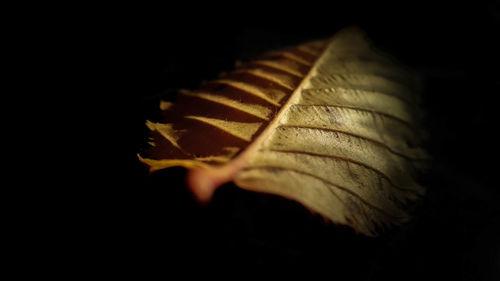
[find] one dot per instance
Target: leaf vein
(359, 88)
(265, 76)
(327, 182)
(276, 65)
(355, 136)
(406, 123)
(248, 88)
(348, 160)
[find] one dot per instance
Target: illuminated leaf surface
(332, 124)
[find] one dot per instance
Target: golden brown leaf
(332, 124)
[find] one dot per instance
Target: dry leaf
(332, 124)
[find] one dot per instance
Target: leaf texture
(332, 124)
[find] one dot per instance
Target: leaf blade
(345, 142)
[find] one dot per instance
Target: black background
(151, 223)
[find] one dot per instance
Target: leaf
(332, 124)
